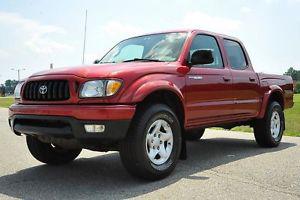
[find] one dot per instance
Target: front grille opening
(42, 123)
(48, 90)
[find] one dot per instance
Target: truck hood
(111, 70)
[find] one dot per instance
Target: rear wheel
(193, 135)
(152, 146)
(49, 153)
(269, 130)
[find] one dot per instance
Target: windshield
(164, 47)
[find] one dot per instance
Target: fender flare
(148, 88)
(266, 97)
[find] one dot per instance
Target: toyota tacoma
(146, 97)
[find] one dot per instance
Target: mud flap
(283, 121)
(183, 153)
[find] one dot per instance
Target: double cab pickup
(146, 97)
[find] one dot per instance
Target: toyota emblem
(43, 89)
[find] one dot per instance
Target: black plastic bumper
(67, 127)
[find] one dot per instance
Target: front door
(209, 93)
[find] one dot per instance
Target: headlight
(100, 88)
(17, 92)
(112, 87)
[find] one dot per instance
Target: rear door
(245, 82)
(208, 87)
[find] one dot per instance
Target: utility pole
(18, 70)
(84, 37)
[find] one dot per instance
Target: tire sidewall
(151, 115)
(45, 153)
(275, 107)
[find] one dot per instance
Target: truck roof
(190, 31)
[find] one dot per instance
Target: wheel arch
(274, 94)
(165, 94)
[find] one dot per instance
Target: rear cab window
(235, 54)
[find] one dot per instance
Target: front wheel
(153, 143)
(269, 130)
(49, 153)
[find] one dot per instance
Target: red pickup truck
(146, 97)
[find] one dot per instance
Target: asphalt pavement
(222, 165)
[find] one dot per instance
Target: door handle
(252, 79)
(196, 77)
(226, 79)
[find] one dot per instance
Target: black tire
(194, 135)
(262, 128)
(134, 152)
(49, 154)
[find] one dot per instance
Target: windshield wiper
(100, 62)
(143, 59)
(104, 62)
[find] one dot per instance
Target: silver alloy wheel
(275, 124)
(159, 142)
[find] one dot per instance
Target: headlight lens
(100, 88)
(93, 89)
(17, 92)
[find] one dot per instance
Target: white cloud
(246, 10)
(43, 45)
(294, 1)
(120, 30)
(269, 1)
(4, 54)
(38, 36)
(204, 21)
(27, 24)
(277, 1)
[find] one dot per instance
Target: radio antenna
(84, 37)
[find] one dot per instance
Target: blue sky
(36, 33)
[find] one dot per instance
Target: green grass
(6, 101)
(292, 120)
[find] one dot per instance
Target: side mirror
(202, 57)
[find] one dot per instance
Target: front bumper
(67, 121)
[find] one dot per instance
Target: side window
(207, 42)
(235, 54)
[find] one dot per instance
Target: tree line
(8, 87)
(295, 74)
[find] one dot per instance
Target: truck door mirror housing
(202, 57)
